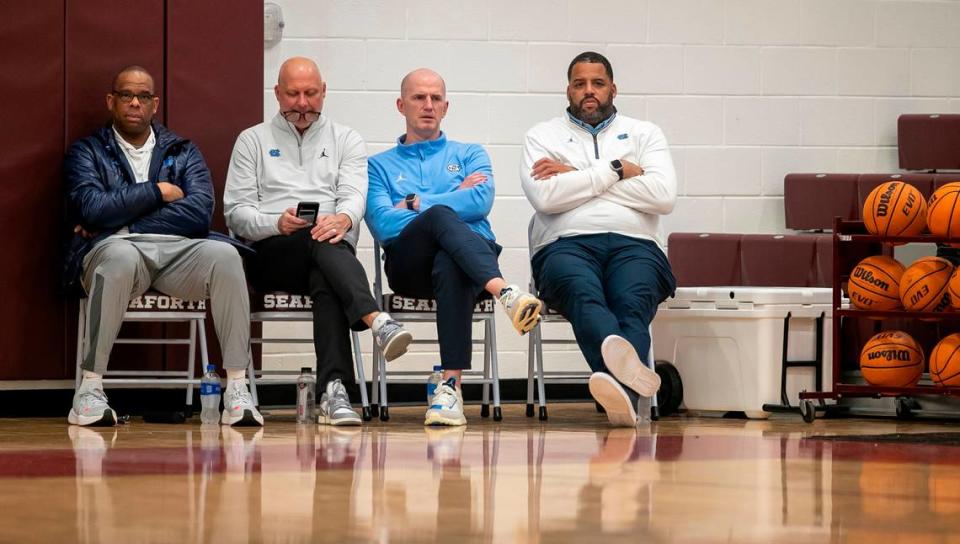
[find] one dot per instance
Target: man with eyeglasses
(140, 202)
(301, 156)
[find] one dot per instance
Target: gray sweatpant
(119, 269)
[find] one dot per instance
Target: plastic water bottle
(210, 396)
(306, 396)
(433, 382)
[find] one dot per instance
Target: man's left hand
(83, 232)
(547, 168)
(331, 228)
(630, 170)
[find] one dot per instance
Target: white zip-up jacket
(592, 199)
(273, 168)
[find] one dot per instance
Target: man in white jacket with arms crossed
(599, 182)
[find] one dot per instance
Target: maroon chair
(939, 180)
(812, 201)
(869, 182)
(929, 141)
(702, 259)
(778, 260)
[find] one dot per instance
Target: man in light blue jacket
(427, 204)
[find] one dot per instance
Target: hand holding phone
(308, 211)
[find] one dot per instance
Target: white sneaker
(447, 406)
(617, 401)
(90, 406)
(521, 307)
(238, 408)
(334, 407)
(626, 366)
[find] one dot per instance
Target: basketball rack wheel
(808, 410)
(670, 395)
(906, 407)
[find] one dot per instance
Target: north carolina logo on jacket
(274, 152)
(453, 168)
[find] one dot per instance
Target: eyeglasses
(126, 96)
(293, 116)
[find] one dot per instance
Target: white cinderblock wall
(745, 90)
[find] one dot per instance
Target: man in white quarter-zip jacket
(599, 182)
(302, 156)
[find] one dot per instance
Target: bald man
(302, 156)
(140, 202)
(428, 203)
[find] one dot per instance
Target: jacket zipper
(596, 147)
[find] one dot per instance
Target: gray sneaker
(521, 307)
(334, 408)
(90, 406)
(393, 339)
(238, 408)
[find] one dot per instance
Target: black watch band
(617, 167)
(409, 200)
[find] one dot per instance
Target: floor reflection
(686, 480)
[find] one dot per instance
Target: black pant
(437, 256)
(337, 284)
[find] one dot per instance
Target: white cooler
(727, 343)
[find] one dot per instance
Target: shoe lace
(443, 396)
(339, 398)
(387, 330)
(239, 392)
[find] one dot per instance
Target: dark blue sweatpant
(604, 284)
(438, 256)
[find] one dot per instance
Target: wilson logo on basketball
(889, 355)
(867, 276)
(884, 204)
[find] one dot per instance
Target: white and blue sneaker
(447, 406)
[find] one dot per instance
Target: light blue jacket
(433, 170)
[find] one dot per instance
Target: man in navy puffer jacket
(140, 203)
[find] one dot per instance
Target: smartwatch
(409, 200)
(617, 167)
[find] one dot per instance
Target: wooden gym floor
(572, 479)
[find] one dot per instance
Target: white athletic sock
(236, 374)
(378, 321)
(90, 375)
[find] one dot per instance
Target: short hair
(127, 70)
(591, 56)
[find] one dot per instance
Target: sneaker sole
(343, 422)
(527, 316)
(625, 365)
(610, 394)
(397, 346)
(436, 419)
(107, 419)
(248, 419)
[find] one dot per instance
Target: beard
(596, 116)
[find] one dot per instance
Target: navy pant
(437, 256)
(337, 285)
(604, 284)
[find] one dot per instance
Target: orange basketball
(895, 208)
(891, 359)
(943, 212)
(945, 361)
(875, 283)
(953, 287)
(923, 287)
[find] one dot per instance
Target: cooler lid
(734, 298)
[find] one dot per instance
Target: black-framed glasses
(293, 116)
(126, 96)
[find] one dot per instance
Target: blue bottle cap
(211, 368)
(437, 368)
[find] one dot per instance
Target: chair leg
(485, 406)
(538, 364)
(375, 383)
(384, 405)
(494, 369)
(361, 379)
(652, 365)
(191, 362)
(530, 373)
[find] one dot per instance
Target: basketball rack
(845, 235)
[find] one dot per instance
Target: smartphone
(308, 211)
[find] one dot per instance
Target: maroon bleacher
(811, 201)
(929, 141)
(702, 259)
(778, 260)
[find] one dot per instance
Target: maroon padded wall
(31, 205)
(211, 68)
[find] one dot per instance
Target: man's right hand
(472, 180)
(290, 223)
(169, 191)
